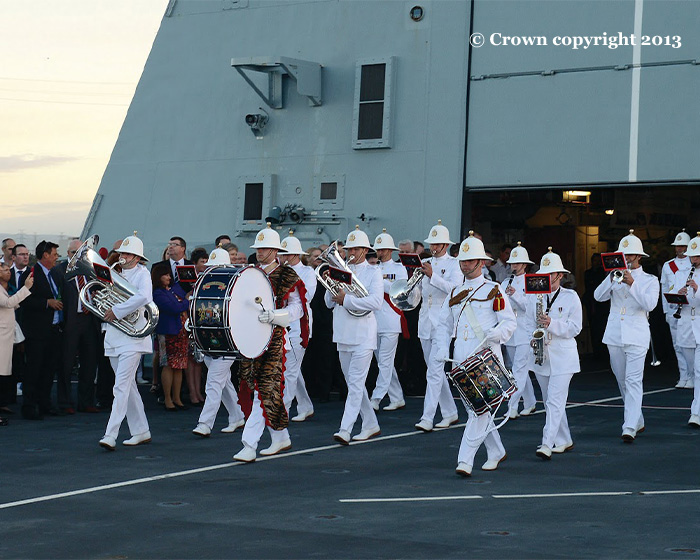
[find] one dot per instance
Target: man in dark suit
(20, 260)
(80, 336)
(42, 317)
(177, 249)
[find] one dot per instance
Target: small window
(329, 191)
(253, 204)
(373, 103)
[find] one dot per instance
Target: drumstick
(258, 300)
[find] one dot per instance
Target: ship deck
(395, 496)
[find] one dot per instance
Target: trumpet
(618, 275)
(99, 296)
(331, 257)
(403, 293)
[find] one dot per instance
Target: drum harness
(473, 322)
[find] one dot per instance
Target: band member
(561, 317)
(517, 349)
(689, 329)
(124, 352)
(265, 375)
(476, 314)
(673, 277)
(627, 332)
(390, 324)
(442, 273)
(356, 336)
(299, 333)
(219, 388)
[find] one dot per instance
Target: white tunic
(560, 349)
(671, 281)
(116, 342)
(308, 276)
(388, 320)
(688, 332)
(359, 332)
(446, 275)
(629, 306)
(454, 322)
(523, 333)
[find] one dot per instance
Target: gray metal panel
(560, 129)
(672, 17)
(669, 127)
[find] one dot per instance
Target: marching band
(529, 322)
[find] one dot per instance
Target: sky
(68, 71)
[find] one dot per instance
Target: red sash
(404, 323)
(673, 266)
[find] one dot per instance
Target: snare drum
(482, 381)
(224, 309)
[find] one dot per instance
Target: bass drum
(224, 310)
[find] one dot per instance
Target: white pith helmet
(384, 241)
(357, 238)
(631, 245)
(133, 245)
(267, 238)
(694, 247)
(291, 245)
(682, 239)
(219, 256)
(519, 255)
(551, 262)
(472, 248)
(439, 234)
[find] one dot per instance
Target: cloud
(20, 162)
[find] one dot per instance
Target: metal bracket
(307, 76)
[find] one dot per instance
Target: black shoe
(181, 406)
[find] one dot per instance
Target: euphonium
(331, 257)
(538, 336)
(99, 296)
(403, 293)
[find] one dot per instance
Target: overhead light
(578, 193)
(610, 211)
(580, 197)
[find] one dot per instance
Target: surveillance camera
(257, 121)
(297, 214)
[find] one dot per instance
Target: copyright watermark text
(576, 42)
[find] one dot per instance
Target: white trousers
(255, 425)
(475, 433)
(555, 391)
(518, 358)
(685, 367)
(355, 365)
(127, 400)
(388, 379)
(627, 363)
(437, 389)
(692, 356)
(294, 386)
(220, 389)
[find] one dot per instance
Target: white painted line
(562, 495)
(419, 499)
(177, 474)
(660, 492)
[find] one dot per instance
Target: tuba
(403, 293)
(98, 295)
(331, 257)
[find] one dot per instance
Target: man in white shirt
(441, 274)
(627, 333)
(300, 331)
(355, 333)
(390, 324)
(674, 275)
(500, 268)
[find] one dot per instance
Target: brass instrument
(403, 293)
(619, 275)
(99, 296)
(677, 314)
(540, 333)
(331, 257)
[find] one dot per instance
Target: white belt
(631, 313)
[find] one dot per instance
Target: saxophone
(538, 336)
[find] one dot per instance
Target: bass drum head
(250, 336)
